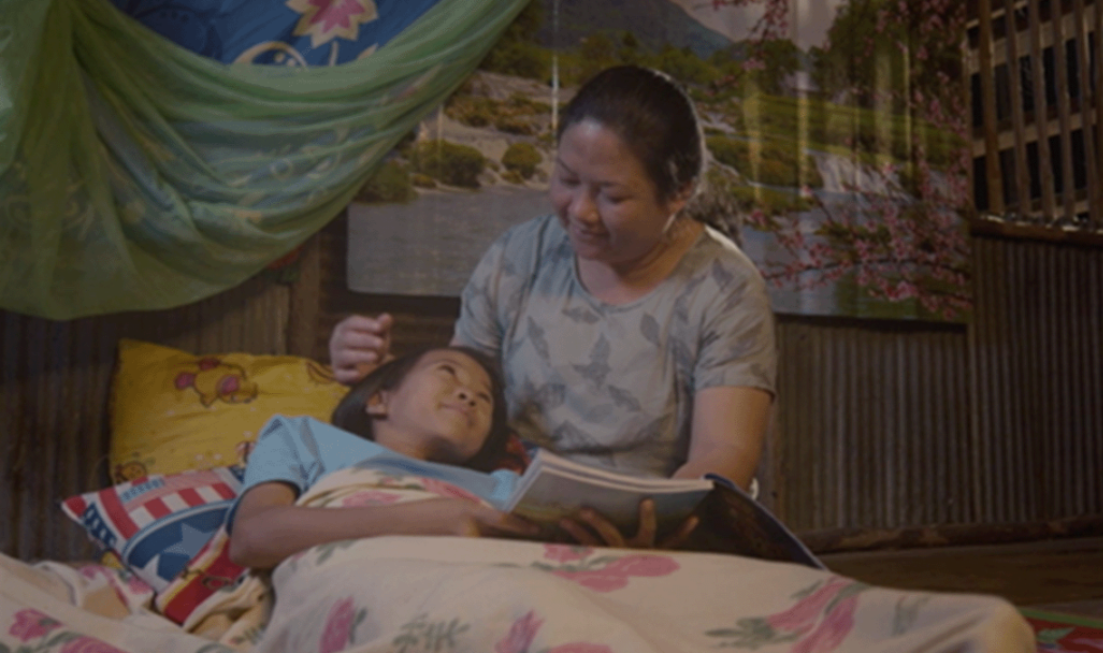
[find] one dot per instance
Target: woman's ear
(681, 198)
(376, 405)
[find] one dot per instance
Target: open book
(553, 487)
(731, 521)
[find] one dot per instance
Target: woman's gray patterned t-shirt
(614, 385)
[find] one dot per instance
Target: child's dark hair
(351, 416)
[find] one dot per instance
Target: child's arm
(268, 527)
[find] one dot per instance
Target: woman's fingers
(645, 534)
(676, 539)
(581, 534)
(493, 521)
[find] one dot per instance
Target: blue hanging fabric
(136, 174)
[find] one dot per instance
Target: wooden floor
(1062, 575)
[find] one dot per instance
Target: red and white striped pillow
(157, 523)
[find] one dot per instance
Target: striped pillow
(157, 523)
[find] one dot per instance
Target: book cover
(732, 521)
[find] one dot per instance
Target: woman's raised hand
(358, 344)
(602, 532)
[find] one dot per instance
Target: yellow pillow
(172, 411)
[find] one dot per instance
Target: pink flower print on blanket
(566, 552)
(89, 645)
(818, 622)
(603, 573)
(520, 635)
(370, 498)
(523, 631)
(340, 626)
(31, 624)
(132, 591)
(832, 630)
(448, 490)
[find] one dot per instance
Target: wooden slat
(1084, 107)
(1018, 125)
(1041, 111)
(1064, 114)
(988, 105)
(1096, 56)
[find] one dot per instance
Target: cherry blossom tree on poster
(896, 233)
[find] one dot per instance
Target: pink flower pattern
(520, 635)
(338, 628)
(523, 631)
(325, 20)
(605, 573)
(370, 498)
(834, 628)
(85, 644)
(818, 622)
(566, 552)
(130, 589)
(802, 616)
(31, 623)
(447, 490)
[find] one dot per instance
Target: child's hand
(602, 532)
(460, 517)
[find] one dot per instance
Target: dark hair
(351, 416)
(653, 115)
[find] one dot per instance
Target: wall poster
(837, 131)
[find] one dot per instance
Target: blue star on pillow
(163, 550)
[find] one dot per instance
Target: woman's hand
(602, 532)
(358, 344)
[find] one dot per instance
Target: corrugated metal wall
(879, 425)
(872, 426)
(883, 426)
(1037, 352)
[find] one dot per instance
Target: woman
(631, 335)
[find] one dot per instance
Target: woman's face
(444, 407)
(605, 199)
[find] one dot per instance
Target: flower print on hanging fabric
(325, 20)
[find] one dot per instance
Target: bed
(181, 427)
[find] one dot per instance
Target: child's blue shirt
(301, 450)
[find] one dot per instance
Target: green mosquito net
(137, 175)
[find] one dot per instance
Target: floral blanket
(450, 594)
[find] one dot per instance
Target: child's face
(443, 407)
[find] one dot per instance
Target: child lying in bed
(438, 414)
